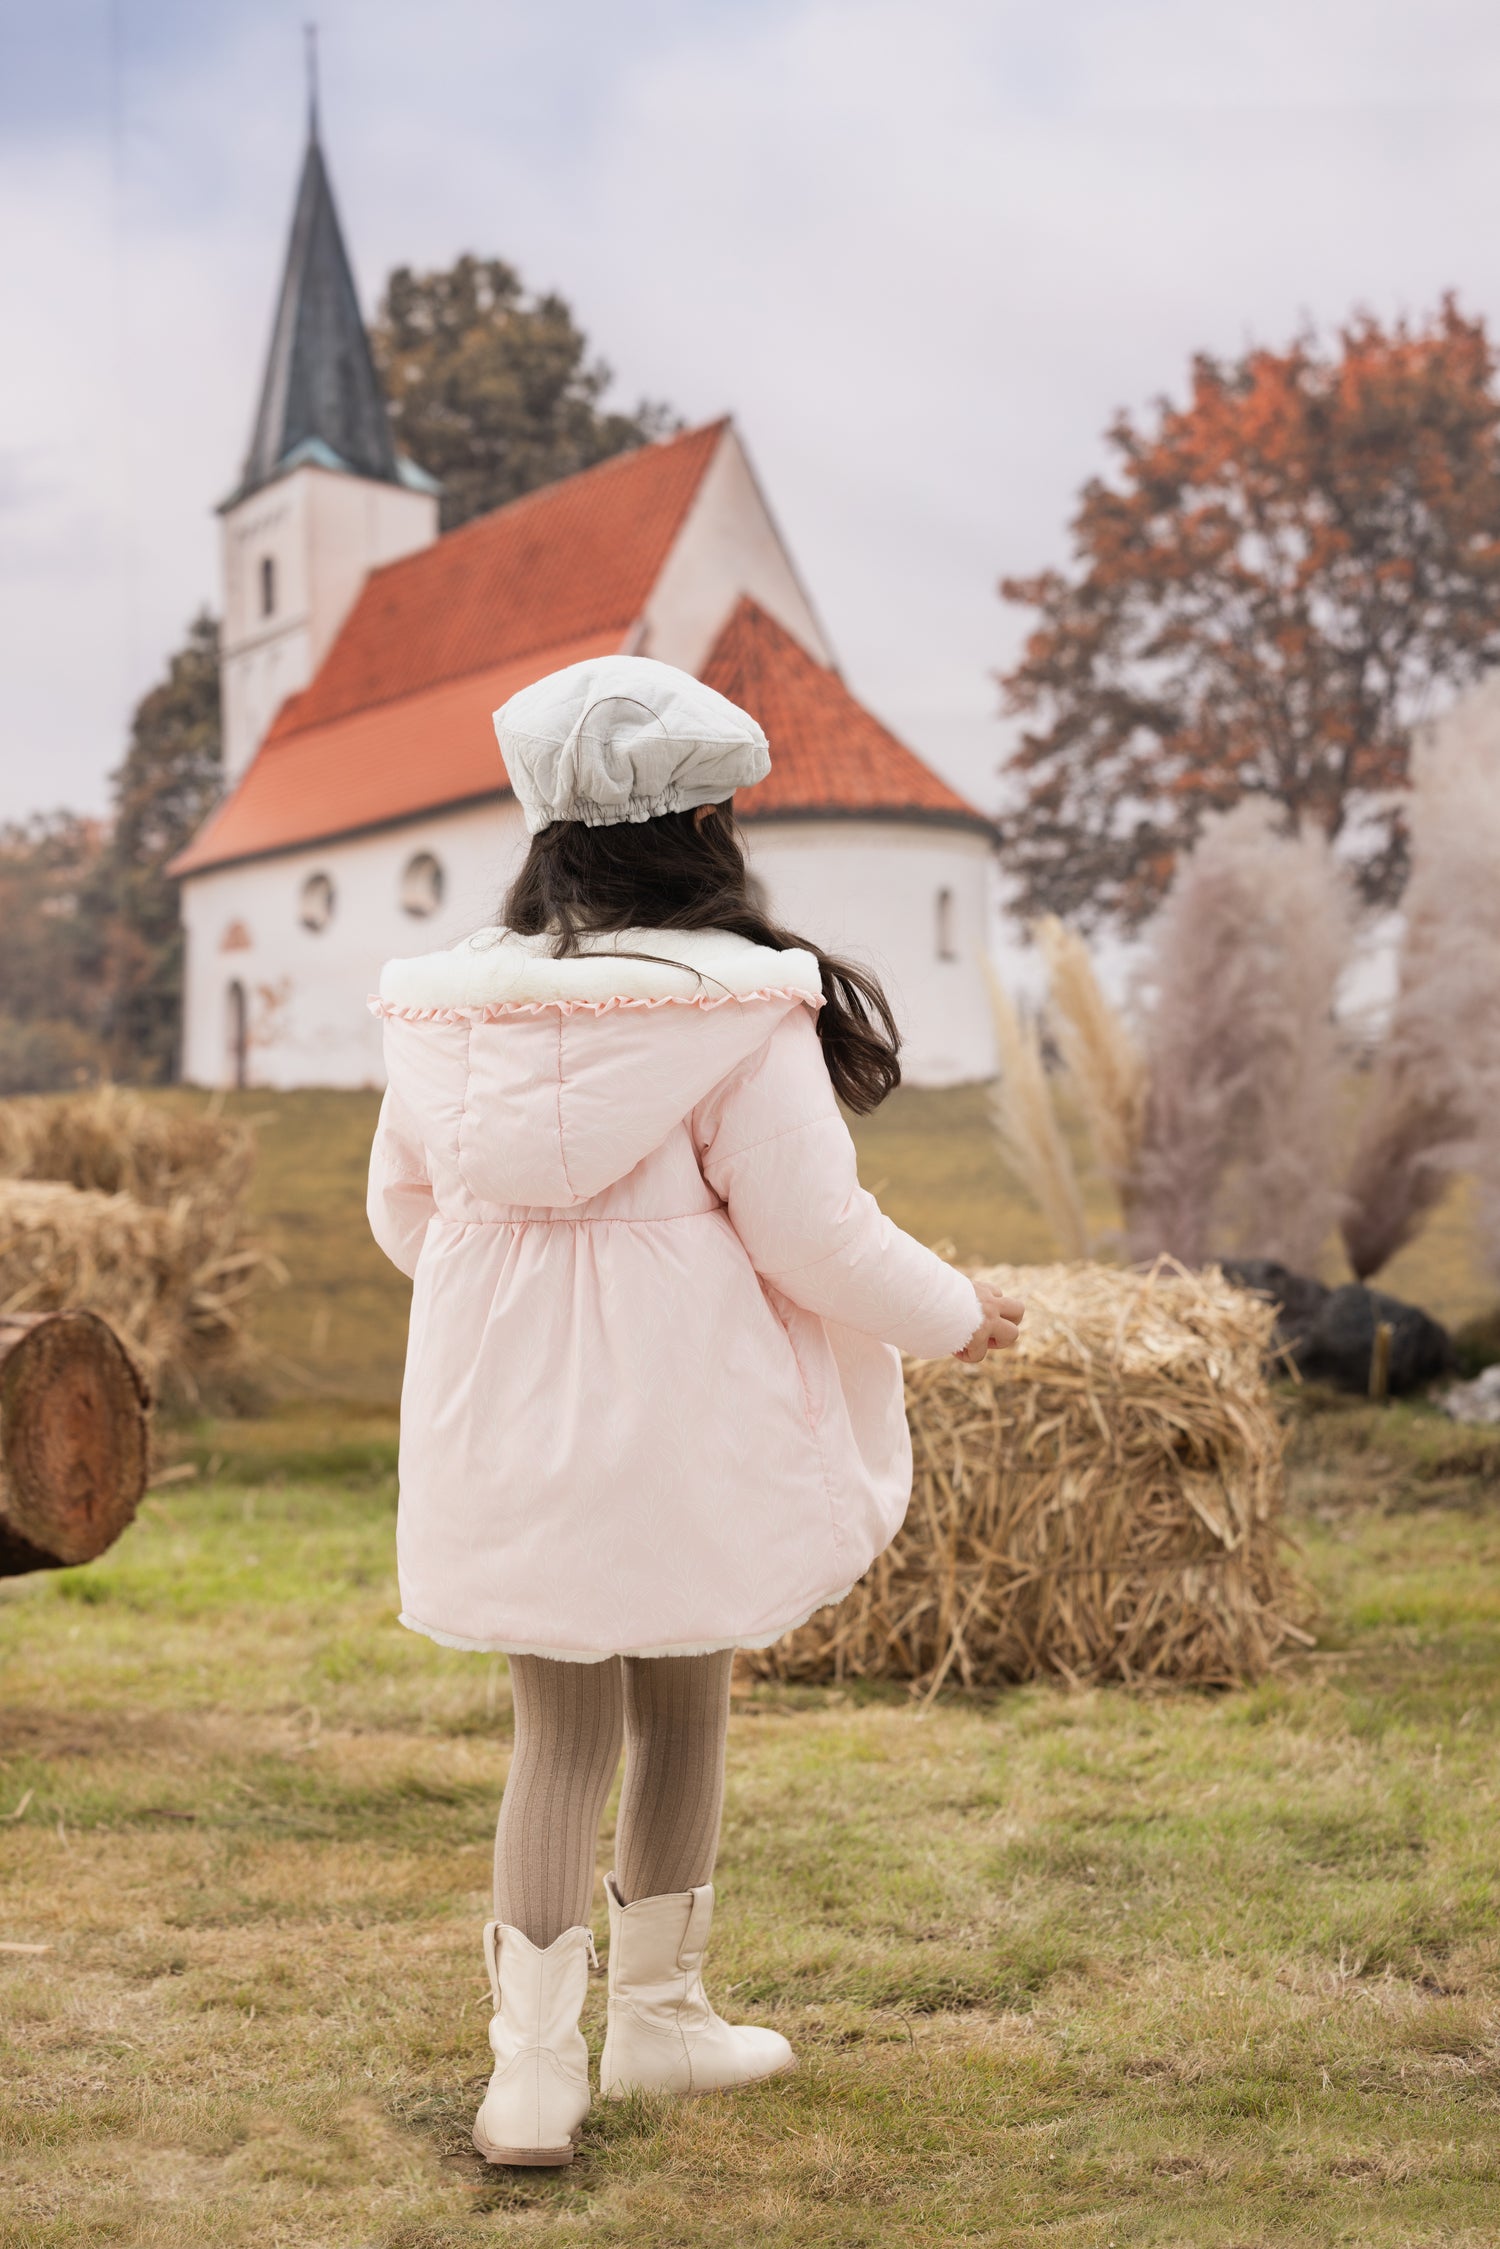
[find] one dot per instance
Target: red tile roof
(573, 559)
(405, 757)
(397, 721)
(829, 755)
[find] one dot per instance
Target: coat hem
(607, 1655)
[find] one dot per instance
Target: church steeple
(320, 399)
(325, 498)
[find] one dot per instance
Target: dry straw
(136, 1210)
(1104, 1503)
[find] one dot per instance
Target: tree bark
(74, 1439)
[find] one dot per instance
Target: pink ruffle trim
(494, 1011)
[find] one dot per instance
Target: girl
(653, 1402)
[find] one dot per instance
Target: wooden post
(1380, 1361)
(74, 1439)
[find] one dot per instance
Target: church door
(237, 1027)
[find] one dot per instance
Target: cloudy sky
(921, 248)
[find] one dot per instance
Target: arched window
(267, 585)
(947, 950)
(422, 884)
(237, 1034)
(315, 909)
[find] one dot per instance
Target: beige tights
(673, 1713)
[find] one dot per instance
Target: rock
(1341, 1341)
(1477, 1402)
(1330, 1333)
(1298, 1298)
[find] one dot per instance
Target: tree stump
(74, 1439)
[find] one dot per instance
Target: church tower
(324, 497)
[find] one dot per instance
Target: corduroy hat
(624, 738)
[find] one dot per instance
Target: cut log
(74, 1439)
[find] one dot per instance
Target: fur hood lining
(495, 973)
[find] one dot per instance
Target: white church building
(367, 812)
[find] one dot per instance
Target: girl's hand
(998, 1329)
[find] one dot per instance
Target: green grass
(1073, 1969)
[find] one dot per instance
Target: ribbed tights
(673, 1713)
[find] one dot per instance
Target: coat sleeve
(774, 1146)
(399, 1202)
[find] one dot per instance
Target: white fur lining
(495, 968)
(593, 1655)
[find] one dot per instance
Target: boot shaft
(538, 1993)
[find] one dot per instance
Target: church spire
(310, 35)
(320, 399)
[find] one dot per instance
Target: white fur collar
(495, 968)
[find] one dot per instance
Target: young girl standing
(653, 1402)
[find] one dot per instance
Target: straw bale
(1103, 1503)
(136, 1210)
(114, 1142)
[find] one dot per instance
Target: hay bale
(1102, 1503)
(115, 1143)
(135, 1209)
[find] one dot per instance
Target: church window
(267, 585)
(422, 884)
(317, 901)
(947, 950)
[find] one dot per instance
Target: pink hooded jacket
(653, 1399)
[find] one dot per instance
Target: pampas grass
(1027, 1123)
(1102, 1060)
(1436, 1092)
(1242, 1049)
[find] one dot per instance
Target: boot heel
(522, 2158)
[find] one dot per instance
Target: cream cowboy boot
(538, 2093)
(663, 2035)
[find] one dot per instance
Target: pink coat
(653, 1398)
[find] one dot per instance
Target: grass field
(1080, 1970)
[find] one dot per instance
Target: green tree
(52, 982)
(492, 391)
(162, 791)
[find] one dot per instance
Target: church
(367, 813)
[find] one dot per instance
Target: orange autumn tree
(1263, 598)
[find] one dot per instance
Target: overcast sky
(923, 249)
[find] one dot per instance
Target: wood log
(74, 1439)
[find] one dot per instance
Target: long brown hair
(682, 872)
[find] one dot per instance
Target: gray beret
(624, 738)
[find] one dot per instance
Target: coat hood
(542, 1081)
